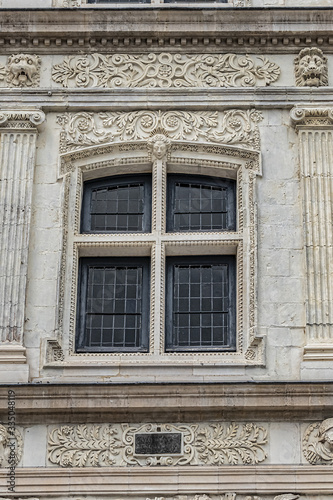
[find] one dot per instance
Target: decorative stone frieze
(17, 158)
(90, 445)
(311, 68)
(315, 130)
(11, 446)
(318, 443)
(234, 126)
(23, 70)
(165, 70)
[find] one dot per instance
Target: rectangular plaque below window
(159, 443)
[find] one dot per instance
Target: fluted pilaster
(17, 159)
(315, 129)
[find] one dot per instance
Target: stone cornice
(304, 400)
(119, 99)
(70, 30)
(312, 116)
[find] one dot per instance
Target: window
(117, 205)
(113, 305)
(114, 292)
(201, 304)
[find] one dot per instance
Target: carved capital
(25, 119)
(312, 117)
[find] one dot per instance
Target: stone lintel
(120, 400)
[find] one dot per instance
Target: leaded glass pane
(118, 208)
(197, 203)
(200, 304)
(114, 300)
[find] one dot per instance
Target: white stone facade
(241, 90)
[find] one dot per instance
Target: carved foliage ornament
(318, 443)
(92, 445)
(311, 68)
(230, 127)
(11, 446)
(164, 71)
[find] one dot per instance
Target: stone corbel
(18, 134)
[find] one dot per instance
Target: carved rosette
(92, 445)
(236, 127)
(165, 71)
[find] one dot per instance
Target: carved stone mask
(311, 68)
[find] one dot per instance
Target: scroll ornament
(92, 445)
(237, 127)
(318, 443)
(164, 71)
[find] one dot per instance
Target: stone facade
(233, 90)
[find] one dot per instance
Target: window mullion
(159, 196)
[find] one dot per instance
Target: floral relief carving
(23, 70)
(164, 71)
(235, 444)
(199, 444)
(311, 68)
(318, 443)
(83, 445)
(237, 127)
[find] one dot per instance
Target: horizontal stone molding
(151, 482)
(280, 398)
(280, 30)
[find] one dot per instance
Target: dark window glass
(113, 304)
(117, 205)
(201, 300)
(197, 203)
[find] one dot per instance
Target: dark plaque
(158, 443)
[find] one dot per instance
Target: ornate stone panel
(237, 127)
(315, 130)
(90, 445)
(165, 70)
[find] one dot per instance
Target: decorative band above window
(117, 205)
(198, 203)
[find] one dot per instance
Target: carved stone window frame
(86, 163)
